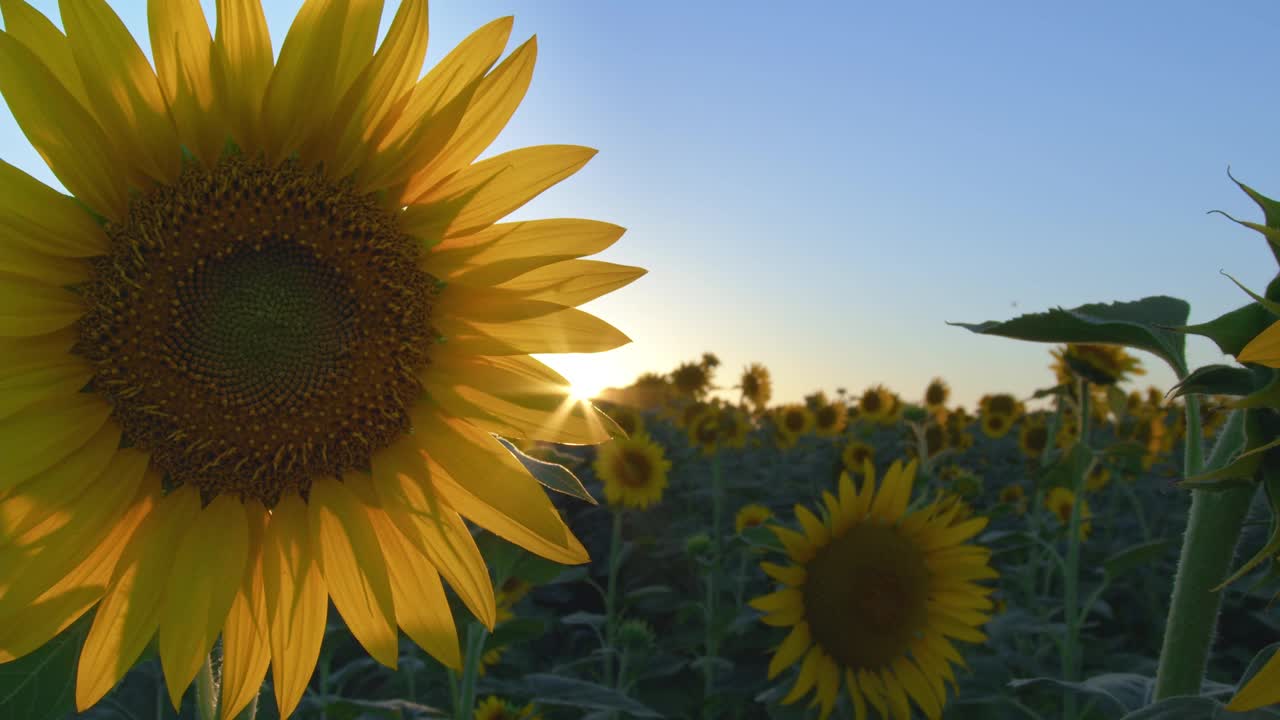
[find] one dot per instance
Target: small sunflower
(1098, 478)
(936, 395)
(495, 708)
(243, 409)
(692, 380)
(1060, 501)
(757, 386)
(1014, 496)
(829, 419)
(875, 595)
(1099, 364)
(792, 422)
(704, 432)
(734, 427)
(995, 425)
(1033, 438)
(936, 438)
(855, 456)
(750, 516)
(893, 411)
(633, 470)
(687, 415)
(512, 591)
(875, 403)
(1068, 431)
(1000, 404)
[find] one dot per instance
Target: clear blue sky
(819, 187)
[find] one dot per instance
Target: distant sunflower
(1068, 431)
(936, 438)
(875, 595)
(893, 411)
(793, 422)
(995, 425)
(495, 708)
(1099, 477)
(687, 415)
(704, 433)
(1099, 364)
(757, 386)
(750, 516)
(243, 408)
(1033, 438)
(633, 471)
(1014, 496)
(829, 419)
(627, 418)
(692, 380)
(1000, 404)
(734, 427)
(1060, 501)
(855, 456)
(875, 403)
(936, 395)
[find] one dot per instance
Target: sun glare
(586, 374)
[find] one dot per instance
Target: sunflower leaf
(556, 477)
(41, 684)
(1133, 556)
(1145, 324)
(1217, 380)
(1232, 331)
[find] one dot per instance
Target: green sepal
(1232, 331)
(1217, 380)
(551, 475)
(1271, 307)
(1270, 213)
(1267, 394)
(1271, 483)
(1144, 324)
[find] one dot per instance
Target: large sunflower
(633, 471)
(875, 595)
(257, 361)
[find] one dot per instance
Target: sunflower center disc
(634, 469)
(866, 596)
(255, 328)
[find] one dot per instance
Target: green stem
(611, 598)
(1193, 448)
(206, 692)
(1071, 578)
(713, 572)
(1213, 527)
(470, 671)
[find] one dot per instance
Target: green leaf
(550, 690)
(1122, 692)
(1232, 331)
(516, 630)
(1143, 324)
(1217, 380)
(1117, 401)
(334, 707)
(556, 477)
(1178, 708)
(1133, 556)
(1270, 213)
(1269, 306)
(42, 684)
(1069, 466)
(1234, 474)
(1262, 658)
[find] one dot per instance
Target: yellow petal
(297, 603)
(1264, 349)
(813, 528)
(807, 677)
(779, 601)
(241, 66)
(437, 532)
(855, 695)
(37, 622)
(353, 568)
(873, 688)
(123, 91)
(215, 545)
(71, 142)
(919, 690)
(31, 28)
(29, 354)
(328, 44)
(792, 648)
(473, 304)
(41, 435)
(129, 614)
(29, 307)
(793, 575)
(1261, 690)
(496, 98)
(23, 389)
(245, 652)
(422, 610)
(37, 217)
(385, 80)
(798, 547)
(58, 487)
(504, 251)
(482, 194)
(183, 51)
(573, 282)
(15, 259)
(564, 331)
(895, 492)
(895, 695)
(828, 686)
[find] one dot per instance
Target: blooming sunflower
(1000, 404)
(704, 432)
(1033, 437)
(628, 419)
(225, 399)
(757, 386)
(874, 596)
(734, 427)
(855, 456)
(1099, 364)
(875, 403)
(828, 418)
(1060, 501)
(750, 516)
(495, 708)
(633, 470)
(1014, 496)
(936, 395)
(936, 438)
(995, 425)
(792, 421)
(692, 380)
(1099, 477)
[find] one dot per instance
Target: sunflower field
(275, 441)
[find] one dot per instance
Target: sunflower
(633, 470)
(1000, 404)
(750, 516)
(1099, 364)
(627, 418)
(792, 421)
(688, 414)
(704, 432)
(936, 395)
(757, 386)
(1033, 437)
(893, 411)
(1068, 431)
(265, 347)
(512, 591)
(936, 438)
(875, 403)
(734, 427)
(874, 596)
(855, 456)
(1099, 477)
(495, 708)
(829, 419)
(995, 425)
(1060, 501)
(692, 380)
(1013, 495)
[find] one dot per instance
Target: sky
(821, 186)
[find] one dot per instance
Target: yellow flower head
(829, 419)
(875, 403)
(633, 470)
(757, 386)
(1099, 364)
(1015, 496)
(688, 414)
(734, 427)
(298, 324)
(936, 395)
(1060, 501)
(855, 456)
(692, 380)
(936, 438)
(995, 425)
(704, 433)
(1000, 404)
(1099, 477)
(495, 708)
(1033, 437)
(750, 516)
(792, 422)
(875, 596)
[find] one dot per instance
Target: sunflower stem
(713, 572)
(1193, 449)
(1071, 579)
(206, 691)
(1213, 528)
(470, 671)
(611, 598)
